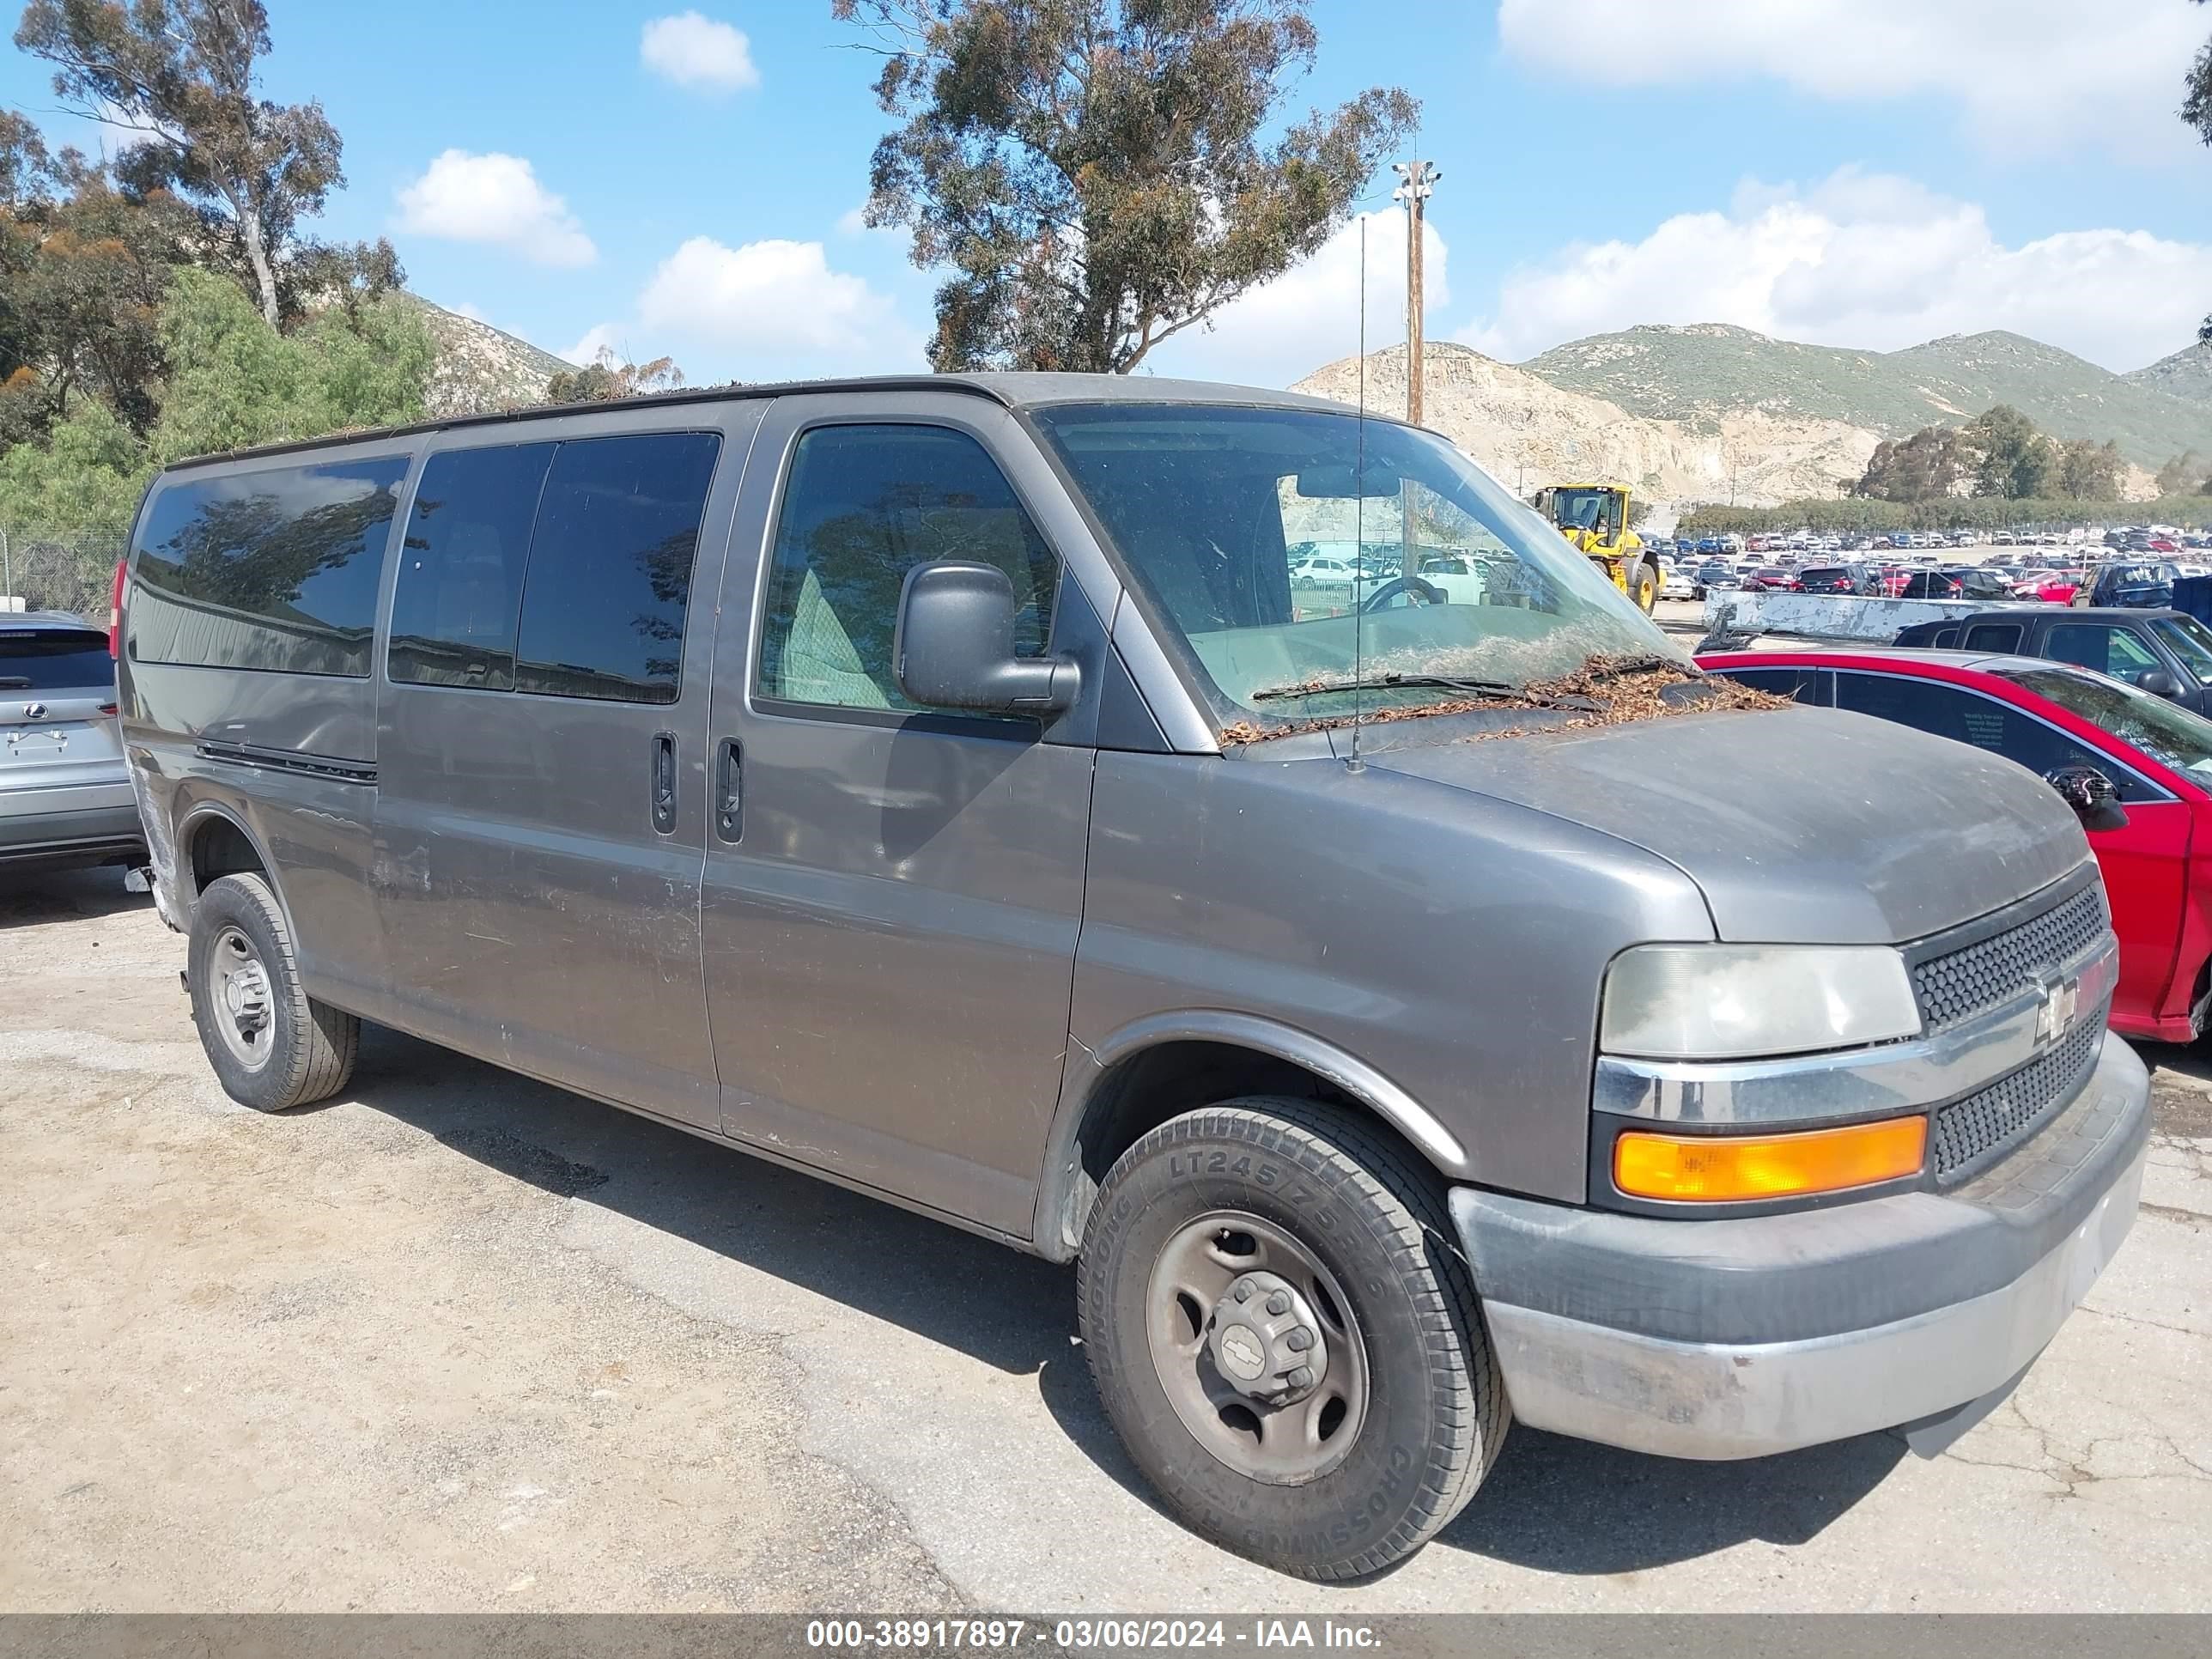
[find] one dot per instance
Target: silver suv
(64, 791)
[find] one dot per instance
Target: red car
(2137, 769)
(2052, 586)
(1893, 579)
(1774, 579)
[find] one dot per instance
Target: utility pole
(1418, 182)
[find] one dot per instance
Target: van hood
(1806, 825)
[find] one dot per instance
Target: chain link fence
(71, 570)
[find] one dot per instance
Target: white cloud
(494, 198)
(854, 222)
(1861, 260)
(777, 300)
(600, 337)
(471, 310)
(1309, 315)
(2028, 76)
(694, 51)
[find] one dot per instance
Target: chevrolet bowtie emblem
(2059, 1002)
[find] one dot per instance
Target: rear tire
(272, 1045)
(1346, 1233)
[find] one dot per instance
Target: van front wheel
(272, 1044)
(1285, 1338)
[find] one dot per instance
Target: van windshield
(1222, 516)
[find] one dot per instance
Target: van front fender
(1089, 1100)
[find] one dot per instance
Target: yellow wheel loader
(1594, 519)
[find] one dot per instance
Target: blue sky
(1874, 175)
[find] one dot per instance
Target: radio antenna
(1359, 514)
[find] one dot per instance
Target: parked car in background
(1713, 575)
(2165, 652)
(2047, 586)
(1676, 583)
(2138, 769)
(1854, 579)
(2142, 583)
(1956, 582)
(1322, 570)
(64, 789)
(1772, 578)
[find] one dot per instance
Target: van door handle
(664, 782)
(730, 789)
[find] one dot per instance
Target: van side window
(460, 567)
(865, 505)
(610, 567)
(276, 569)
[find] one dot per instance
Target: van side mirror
(955, 645)
(2091, 794)
(2159, 682)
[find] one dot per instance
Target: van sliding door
(542, 741)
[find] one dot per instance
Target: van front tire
(271, 1045)
(1248, 1237)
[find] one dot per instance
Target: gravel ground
(461, 1341)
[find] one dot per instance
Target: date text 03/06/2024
(1008, 1635)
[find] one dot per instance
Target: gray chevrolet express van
(939, 786)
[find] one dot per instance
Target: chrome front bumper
(1737, 1338)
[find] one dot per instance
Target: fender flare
(1080, 1095)
(189, 826)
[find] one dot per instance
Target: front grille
(1973, 1132)
(1966, 981)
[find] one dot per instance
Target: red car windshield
(2172, 736)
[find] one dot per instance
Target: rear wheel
(1285, 1337)
(272, 1044)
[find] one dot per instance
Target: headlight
(1737, 1002)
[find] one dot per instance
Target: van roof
(1010, 391)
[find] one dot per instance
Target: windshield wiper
(1500, 691)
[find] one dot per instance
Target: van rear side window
(610, 567)
(562, 569)
(460, 568)
(276, 569)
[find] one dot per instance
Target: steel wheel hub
(1254, 1344)
(242, 998)
(1267, 1340)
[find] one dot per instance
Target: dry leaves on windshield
(1599, 693)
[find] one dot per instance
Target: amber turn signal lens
(1717, 1168)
